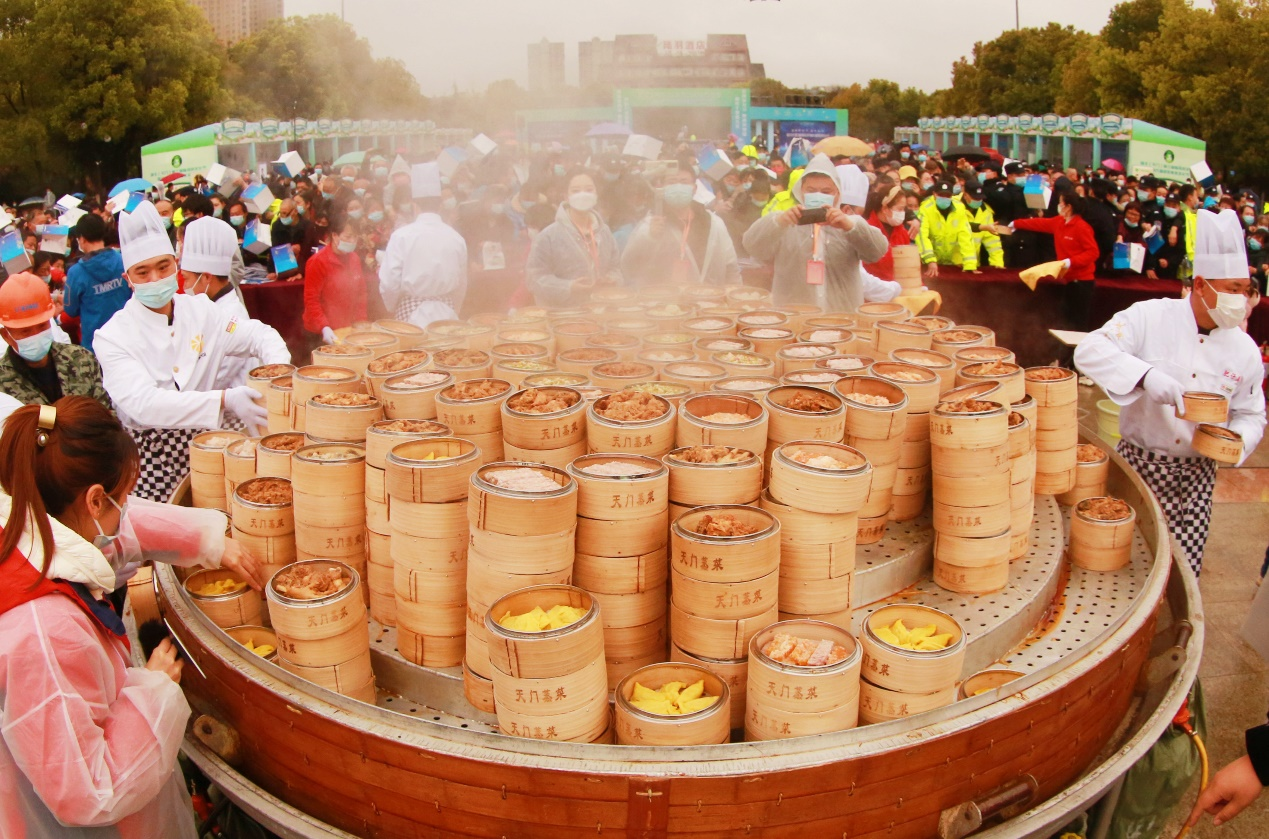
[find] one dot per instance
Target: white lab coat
(87, 741)
(877, 290)
(165, 376)
(234, 371)
(425, 259)
(1162, 333)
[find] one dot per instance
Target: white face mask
(897, 217)
(1230, 310)
(583, 201)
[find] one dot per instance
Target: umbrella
(353, 158)
(968, 152)
(1112, 164)
(842, 147)
(172, 178)
(131, 185)
(608, 129)
(33, 201)
(919, 147)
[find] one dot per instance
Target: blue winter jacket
(95, 290)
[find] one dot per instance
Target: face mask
(558, 170)
(816, 200)
(356, 215)
(450, 203)
(217, 212)
(360, 192)
(101, 541)
(905, 154)
(1248, 221)
(897, 217)
(942, 203)
(347, 179)
(381, 172)
(36, 347)
(1170, 212)
(167, 222)
(1021, 180)
(923, 157)
(1159, 200)
(908, 186)
(678, 195)
(157, 294)
(376, 216)
(1254, 244)
(329, 196)
(301, 209)
(237, 221)
(956, 190)
(497, 209)
(1132, 224)
(759, 202)
(975, 204)
(528, 205)
(746, 186)
(346, 247)
(1230, 310)
(317, 171)
(1142, 195)
(729, 188)
(583, 202)
(287, 221)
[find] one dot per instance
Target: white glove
(1162, 388)
(245, 403)
(127, 572)
(328, 335)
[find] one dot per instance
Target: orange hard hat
(24, 301)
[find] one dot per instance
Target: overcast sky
(801, 42)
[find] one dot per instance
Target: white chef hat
(1220, 252)
(854, 185)
(209, 247)
(142, 235)
(399, 166)
(425, 180)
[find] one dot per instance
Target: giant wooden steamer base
(1105, 664)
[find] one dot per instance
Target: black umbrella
(971, 153)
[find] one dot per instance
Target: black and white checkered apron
(1184, 487)
(164, 460)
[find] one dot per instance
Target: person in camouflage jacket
(78, 374)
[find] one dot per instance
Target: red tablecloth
(281, 305)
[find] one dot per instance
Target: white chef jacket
(1162, 333)
(234, 370)
(877, 290)
(165, 376)
(426, 259)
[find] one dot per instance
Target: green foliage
(877, 108)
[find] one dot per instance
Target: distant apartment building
(234, 20)
(649, 61)
(546, 65)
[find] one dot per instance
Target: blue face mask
(817, 200)
(975, 204)
(355, 215)
(1132, 224)
(1142, 195)
(1021, 180)
(301, 209)
(746, 186)
(1159, 200)
(1170, 212)
(360, 192)
(376, 216)
(36, 347)
(678, 195)
(923, 157)
(286, 221)
(237, 221)
(347, 247)
(217, 212)
(942, 203)
(381, 172)
(1254, 244)
(908, 186)
(157, 294)
(905, 154)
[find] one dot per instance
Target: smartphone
(817, 216)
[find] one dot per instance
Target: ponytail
(44, 471)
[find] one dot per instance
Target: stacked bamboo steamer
(239, 607)
(240, 464)
(969, 445)
(696, 428)
(816, 492)
(380, 439)
(876, 423)
(789, 700)
(800, 412)
(318, 611)
(912, 476)
(907, 266)
(1056, 394)
(637, 727)
(1092, 469)
(329, 484)
(555, 437)
(427, 483)
(898, 682)
(518, 538)
(622, 530)
(207, 468)
(606, 431)
(472, 409)
(309, 382)
(262, 517)
(277, 402)
(1021, 485)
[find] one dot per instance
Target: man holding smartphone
(815, 248)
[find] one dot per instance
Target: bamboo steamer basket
(518, 370)
(985, 681)
(308, 382)
(1027, 407)
(385, 435)
(949, 341)
(632, 609)
(969, 462)
(710, 325)
(1090, 479)
(881, 492)
(907, 506)
(890, 335)
(873, 422)
(707, 345)
(872, 529)
(935, 322)
(478, 690)
(872, 314)
(980, 354)
(558, 458)
(846, 365)
(517, 513)
(433, 556)
(341, 423)
(261, 520)
(1204, 407)
(658, 357)
(651, 438)
(547, 553)
(399, 363)
(814, 377)
(614, 498)
(240, 463)
(751, 386)
(806, 598)
(238, 608)
(618, 374)
(520, 350)
(259, 636)
(972, 492)
(910, 671)
(1099, 545)
(781, 689)
(344, 542)
(802, 356)
(625, 346)
(1220, 444)
(275, 462)
(880, 705)
(633, 324)
(675, 340)
(562, 727)
(272, 552)
(583, 360)
(981, 390)
(433, 619)
(739, 362)
(843, 339)
(1054, 482)
(278, 405)
(953, 520)
(333, 469)
(922, 392)
(693, 430)
(797, 313)
(817, 489)
(761, 317)
(708, 726)
(402, 400)
(734, 672)
(805, 538)
(485, 585)
(907, 265)
(701, 484)
(463, 365)
(640, 574)
(430, 650)
(572, 334)
(564, 694)
(786, 425)
(379, 343)
(529, 335)
(407, 334)
(259, 378)
(410, 476)
(346, 678)
(457, 334)
(717, 639)
(1056, 439)
(1051, 393)
(624, 644)
(1019, 436)
(725, 559)
(700, 376)
(1012, 386)
(207, 451)
(554, 652)
(829, 320)
(936, 362)
(473, 416)
(672, 392)
(346, 356)
(972, 565)
(767, 345)
(724, 601)
(973, 430)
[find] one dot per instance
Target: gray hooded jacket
(560, 255)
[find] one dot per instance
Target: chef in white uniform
(161, 355)
(1148, 355)
(423, 276)
(208, 246)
